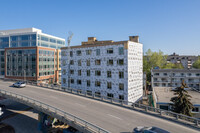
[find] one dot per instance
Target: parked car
(19, 84)
(142, 129)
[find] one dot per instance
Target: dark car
(143, 129)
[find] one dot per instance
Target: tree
(173, 66)
(152, 60)
(181, 102)
(196, 64)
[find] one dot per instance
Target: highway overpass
(110, 117)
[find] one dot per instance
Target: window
(24, 37)
(71, 62)
(110, 62)
(97, 94)
(44, 38)
(89, 92)
(121, 75)
(88, 62)
(110, 51)
(79, 72)
(121, 86)
(78, 53)
(64, 71)
(52, 40)
(71, 53)
(97, 83)
(120, 62)
(79, 62)
(71, 71)
(109, 85)
(156, 74)
(97, 52)
(63, 62)
(88, 83)
(121, 50)
(79, 82)
(97, 73)
(109, 95)
(121, 97)
(64, 80)
(195, 109)
(72, 81)
(109, 74)
(88, 52)
(97, 62)
(88, 72)
(165, 74)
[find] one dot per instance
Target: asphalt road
(110, 117)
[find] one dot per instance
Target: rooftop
(93, 42)
(14, 31)
(164, 94)
(24, 31)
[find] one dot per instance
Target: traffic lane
(113, 118)
(118, 115)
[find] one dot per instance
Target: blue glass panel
(4, 45)
(44, 38)
(13, 44)
(33, 37)
(24, 44)
(13, 38)
(59, 42)
(44, 45)
(53, 40)
(25, 37)
(4, 39)
(33, 43)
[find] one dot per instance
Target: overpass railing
(69, 117)
(191, 121)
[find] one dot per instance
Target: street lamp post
(24, 75)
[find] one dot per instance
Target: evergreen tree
(181, 102)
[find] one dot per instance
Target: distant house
(173, 78)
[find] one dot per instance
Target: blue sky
(168, 25)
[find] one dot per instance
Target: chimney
(134, 38)
(92, 39)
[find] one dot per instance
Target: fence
(191, 121)
(81, 124)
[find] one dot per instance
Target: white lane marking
(114, 116)
(80, 105)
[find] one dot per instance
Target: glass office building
(30, 54)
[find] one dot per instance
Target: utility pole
(68, 56)
(24, 75)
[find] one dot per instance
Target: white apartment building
(174, 77)
(106, 68)
(185, 60)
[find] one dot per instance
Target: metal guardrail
(137, 106)
(82, 123)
